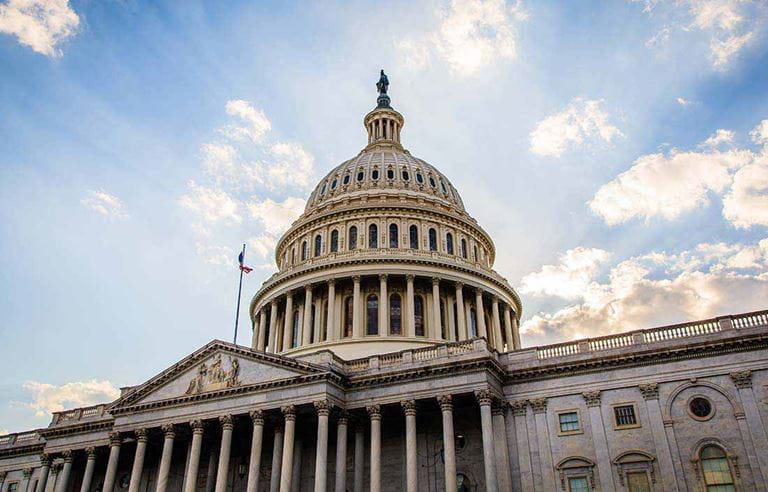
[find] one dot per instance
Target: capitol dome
(384, 258)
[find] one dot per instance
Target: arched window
(395, 315)
(304, 251)
(418, 315)
(449, 243)
(333, 184)
(372, 315)
(475, 251)
(375, 174)
(716, 471)
(419, 178)
(472, 323)
(443, 322)
(348, 317)
(464, 248)
(432, 240)
(352, 238)
(404, 174)
(334, 241)
(318, 244)
(293, 256)
(346, 179)
(312, 335)
(393, 236)
(360, 175)
(295, 335)
(373, 236)
(324, 321)
(413, 233)
(390, 174)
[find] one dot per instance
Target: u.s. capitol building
(386, 356)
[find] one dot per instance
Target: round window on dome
(360, 176)
(700, 408)
(346, 179)
(390, 174)
(375, 174)
(419, 178)
(432, 182)
(405, 175)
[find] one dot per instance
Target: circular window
(700, 408)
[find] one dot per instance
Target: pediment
(218, 367)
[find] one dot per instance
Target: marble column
(480, 313)
(359, 457)
(451, 328)
(90, 464)
(501, 448)
(306, 330)
(374, 412)
(437, 324)
(286, 473)
(194, 456)
(210, 470)
(114, 455)
(169, 434)
(288, 323)
(142, 436)
(341, 452)
(333, 332)
(277, 459)
(519, 415)
(26, 474)
(411, 456)
(449, 442)
(409, 309)
(222, 474)
(317, 330)
(484, 398)
(273, 328)
(357, 325)
(650, 392)
(508, 329)
(547, 466)
(296, 470)
(461, 319)
(45, 468)
(66, 471)
(498, 341)
(592, 399)
(261, 340)
(383, 306)
(758, 460)
(323, 408)
(254, 463)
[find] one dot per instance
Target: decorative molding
(519, 407)
(142, 434)
(169, 430)
(409, 407)
(115, 439)
(289, 413)
(374, 411)
(322, 407)
(742, 379)
(592, 398)
(227, 422)
(68, 456)
(198, 426)
(539, 405)
(445, 402)
(215, 377)
(650, 391)
(484, 397)
(45, 460)
(91, 452)
(257, 416)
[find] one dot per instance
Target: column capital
(2, 476)
(68, 456)
(169, 430)
(409, 407)
(45, 459)
(592, 398)
(331, 281)
(383, 276)
(257, 416)
(197, 426)
(484, 397)
(273, 302)
(142, 434)
(499, 407)
(539, 405)
(445, 402)
(356, 279)
(322, 407)
(56, 468)
(115, 439)
(227, 422)
(374, 411)
(435, 280)
(410, 277)
(308, 288)
(342, 417)
(91, 452)
(27, 472)
(742, 379)
(650, 391)
(289, 413)
(459, 285)
(519, 407)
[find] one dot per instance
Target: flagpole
(239, 292)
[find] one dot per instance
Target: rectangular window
(569, 421)
(625, 415)
(13, 487)
(638, 482)
(578, 484)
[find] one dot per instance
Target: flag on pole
(243, 267)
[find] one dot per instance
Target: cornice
(386, 378)
(36, 448)
(79, 428)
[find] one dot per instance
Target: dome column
(383, 306)
(357, 331)
(306, 330)
(497, 339)
(273, 326)
(451, 328)
(262, 330)
(480, 314)
(508, 329)
(330, 328)
(288, 322)
(437, 324)
(410, 308)
(461, 319)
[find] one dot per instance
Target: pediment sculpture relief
(215, 377)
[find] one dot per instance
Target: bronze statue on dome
(383, 83)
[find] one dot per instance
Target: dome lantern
(383, 124)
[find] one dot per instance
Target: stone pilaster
(650, 392)
(411, 455)
(501, 447)
(286, 472)
(227, 426)
(341, 452)
(593, 399)
(193, 466)
(485, 399)
(114, 455)
(323, 409)
(374, 412)
(254, 463)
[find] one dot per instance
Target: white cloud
(39, 24)
(659, 39)
(760, 133)
(657, 288)
(683, 101)
(581, 119)
(106, 204)
(724, 50)
(210, 204)
(277, 217)
(570, 278)
(49, 398)
(681, 181)
(472, 34)
(291, 165)
(257, 124)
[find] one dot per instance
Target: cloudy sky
(617, 152)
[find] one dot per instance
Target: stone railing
(20, 439)
(660, 334)
(416, 355)
(77, 414)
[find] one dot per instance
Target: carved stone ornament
(289, 413)
(539, 405)
(257, 417)
(374, 411)
(322, 407)
(519, 407)
(114, 439)
(198, 426)
(445, 402)
(484, 397)
(592, 398)
(142, 435)
(742, 379)
(2, 476)
(342, 417)
(227, 422)
(169, 431)
(45, 460)
(409, 407)
(27, 472)
(215, 377)
(650, 391)
(68, 456)
(498, 407)
(91, 453)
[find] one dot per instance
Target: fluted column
(449, 444)
(194, 456)
(142, 436)
(261, 339)
(227, 425)
(480, 313)
(317, 326)
(508, 329)
(409, 303)
(437, 326)
(114, 456)
(254, 464)
(273, 328)
(484, 398)
(306, 330)
(45, 468)
(498, 343)
(277, 459)
(383, 306)
(374, 411)
(359, 457)
(341, 452)
(333, 332)
(66, 470)
(169, 434)
(90, 464)
(357, 326)
(501, 449)
(411, 458)
(286, 473)
(288, 322)
(323, 408)
(461, 319)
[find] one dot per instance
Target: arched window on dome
(418, 315)
(372, 315)
(413, 233)
(318, 244)
(393, 238)
(304, 251)
(333, 184)
(432, 239)
(716, 470)
(472, 323)
(373, 236)
(395, 315)
(345, 181)
(375, 174)
(476, 258)
(442, 187)
(449, 243)
(293, 256)
(334, 241)
(295, 332)
(390, 174)
(464, 248)
(432, 182)
(405, 175)
(352, 238)
(348, 307)
(312, 335)
(419, 178)
(322, 190)
(360, 176)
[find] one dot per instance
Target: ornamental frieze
(215, 377)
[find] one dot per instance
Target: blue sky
(617, 152)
